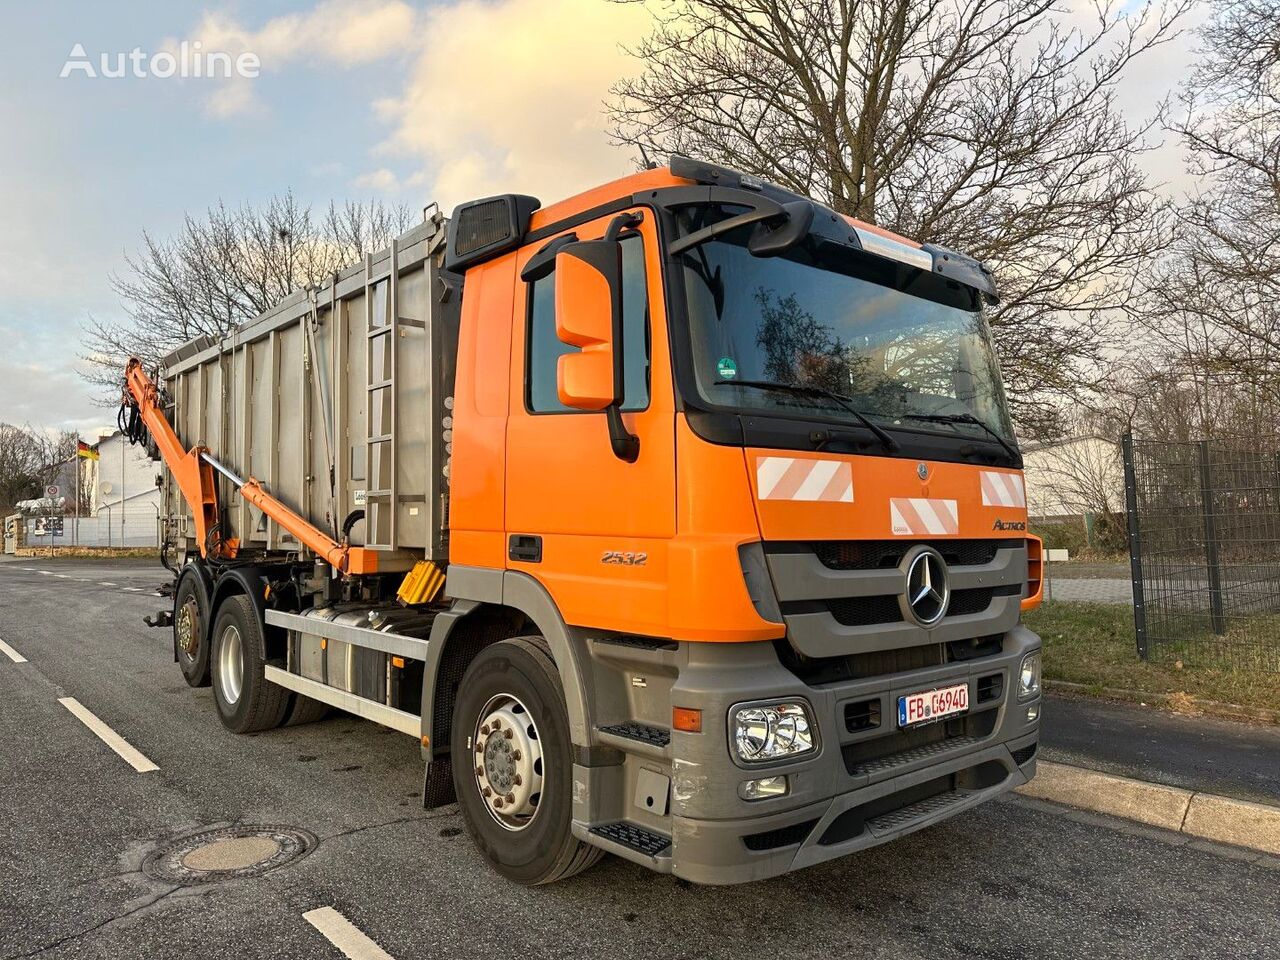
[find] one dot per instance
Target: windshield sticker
(726, 368)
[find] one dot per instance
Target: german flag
(86, 451)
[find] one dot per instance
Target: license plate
(930, 705)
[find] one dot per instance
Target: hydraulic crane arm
(193, 470)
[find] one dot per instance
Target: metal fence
(1204, 547)
(133, 527)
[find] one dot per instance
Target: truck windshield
(904, 347)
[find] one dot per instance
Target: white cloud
(342, 32)
(382, 180)
(508, 96)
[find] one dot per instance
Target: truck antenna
(648, 164)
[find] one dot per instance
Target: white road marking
(62, 576)
(132, 589)
(106, 583)
(108, 736)
(44, 573)
(11, 653)
(345, 935)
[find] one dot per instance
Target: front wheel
(247, 702)
(512, 763)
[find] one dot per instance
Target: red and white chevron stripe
(1002, 490)
(791, 478)
(914, 517)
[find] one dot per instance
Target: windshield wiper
(964, 418)
(890, 444)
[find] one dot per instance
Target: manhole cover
(228, 853)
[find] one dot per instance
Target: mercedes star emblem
(927, 588)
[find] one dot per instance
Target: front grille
(964, 602)
(865, 611)
(859, 666)
(868, 611)
(885, 554)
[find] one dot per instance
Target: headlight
(771, 731)
(1029, 675)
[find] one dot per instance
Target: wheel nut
(484, 731)
(488, 792)
(516, 780)
(497, 803)
(515, 755)
(511, 798)
(508, 733)
(479, 771)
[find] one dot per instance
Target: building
(124, 488)
(1074, 479)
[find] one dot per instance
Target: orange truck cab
(734, 541)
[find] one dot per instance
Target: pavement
(1015, 878)
(1089, 589)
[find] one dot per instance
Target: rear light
(1033, 593)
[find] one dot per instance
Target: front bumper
(863, 786)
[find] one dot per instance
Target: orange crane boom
(193, 470)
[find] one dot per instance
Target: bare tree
(1218, 293)
(985, 125)
(19, 466)
(226, 268)
(32, 458)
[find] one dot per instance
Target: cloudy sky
(405, 101)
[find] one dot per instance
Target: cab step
(640, 732)
(633, 837)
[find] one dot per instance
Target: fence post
(1216, 618)
(1135, 544)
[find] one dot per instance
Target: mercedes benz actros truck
(681, 520)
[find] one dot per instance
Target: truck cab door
(592, 528)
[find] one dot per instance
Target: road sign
(52, 490)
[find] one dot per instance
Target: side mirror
(589, 316)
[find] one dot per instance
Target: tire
(304, 710)
(247, 702)
(517, 679)
(190, 626)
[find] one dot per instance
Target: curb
(1206, 816)
(1175, 703)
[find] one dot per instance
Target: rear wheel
(512, 763)
(304, 710)
(190, 623)
(247, 702)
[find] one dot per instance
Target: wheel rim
(230, 664)
(508, 764)
(188, 635)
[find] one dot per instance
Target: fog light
(763, 789)
(1029, 676)
(1033, 713)
(771, 731)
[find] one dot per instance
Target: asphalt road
(1196, 753)
(1014, 879)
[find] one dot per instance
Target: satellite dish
(106, 489)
